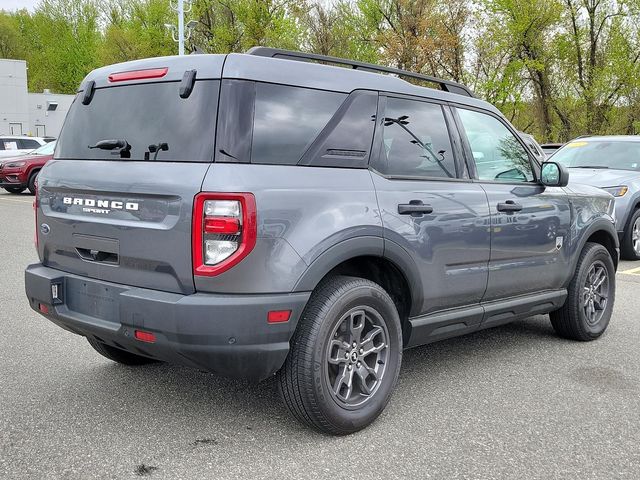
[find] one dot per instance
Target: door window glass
(416, 141)
(27, 143)
(498, 154)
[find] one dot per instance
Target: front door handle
(415, 207)
(509, 206)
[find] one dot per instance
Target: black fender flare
(334, 256)
(358, 247)
(599, 225)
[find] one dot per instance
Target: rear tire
(117, 355)
(31, 185)
(630, 247)
(14, 189)
(591, 294)
(328, 383)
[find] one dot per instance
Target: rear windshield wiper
(155, 149)
(120, 144)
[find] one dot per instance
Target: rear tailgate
(121, 222)
(123, 214)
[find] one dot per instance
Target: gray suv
(274, 213)
(613, 164)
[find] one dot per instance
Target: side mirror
(553, 174)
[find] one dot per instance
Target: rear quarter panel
(302, 213)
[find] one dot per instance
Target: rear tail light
(35, 215)
(224, 231)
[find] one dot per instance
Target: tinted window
(143, 115)
(346, 140)
(498, 154)
(600, 154)
(287, 120)
(28, 143)
(235, 122)
(415, 141)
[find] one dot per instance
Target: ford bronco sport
(275, 213)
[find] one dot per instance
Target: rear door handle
(509, 206)
(416, 207)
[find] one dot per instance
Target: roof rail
(446, 85)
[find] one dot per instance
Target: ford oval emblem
(45, 229)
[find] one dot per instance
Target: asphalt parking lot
(512, 402)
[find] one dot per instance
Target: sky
(17, 4)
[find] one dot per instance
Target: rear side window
(416, 141)
(287, 120)
(28, 143)
(145, 115)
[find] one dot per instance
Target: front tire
(117, 355)
(14, 189)
(31, 185)
(345, 357)
(591, 294)
(630, 247)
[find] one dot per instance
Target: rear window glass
(144, 115)
(287, 120)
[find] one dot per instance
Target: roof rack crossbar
(445, 85)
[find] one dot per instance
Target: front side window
(498, 154)
(416, 141)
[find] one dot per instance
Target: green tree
(135, 29)
(61, 40)
(524, 29)
(11, 45)
(237, 25)
(338, 30)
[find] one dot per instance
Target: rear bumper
(224, 334)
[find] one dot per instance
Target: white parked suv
(14, 145)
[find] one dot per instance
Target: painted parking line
(632, 271)
(15, 200)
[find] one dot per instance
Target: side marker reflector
(144, 336)
(278, 316)
(43, 308)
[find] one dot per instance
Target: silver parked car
(613, 164)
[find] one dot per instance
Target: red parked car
(19, 173)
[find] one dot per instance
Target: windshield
(46, 149)
(143, 117)
(616, 154)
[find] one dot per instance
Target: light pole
(179, 7)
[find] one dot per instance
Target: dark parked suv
(253, 214)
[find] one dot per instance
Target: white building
(23, 113)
